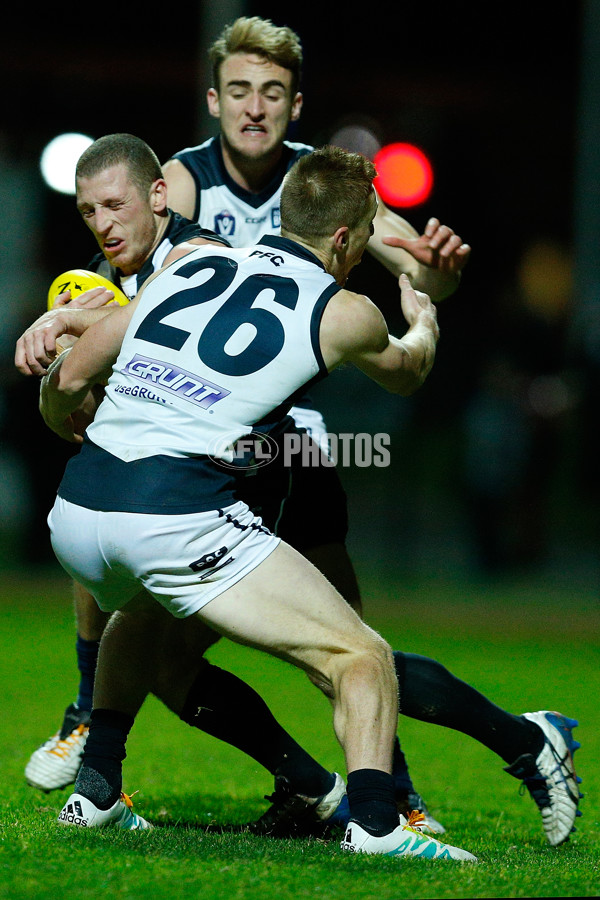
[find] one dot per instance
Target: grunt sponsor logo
(136, 391)
(175, 380)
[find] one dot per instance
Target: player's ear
(212, 100)
(296, 107)
(340, 238)
(158, 195)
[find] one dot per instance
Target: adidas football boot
(405, 840)
(81, 812)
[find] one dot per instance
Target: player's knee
(370, 658)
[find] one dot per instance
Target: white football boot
(56, 763)
(83, 813)
(405, 840)
(551, 778)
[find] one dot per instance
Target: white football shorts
(183, 561)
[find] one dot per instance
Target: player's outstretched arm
(433, 260)
(354, 330)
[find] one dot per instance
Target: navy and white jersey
(219, 341)
(179, 229)
(228, 209)
(241, 216)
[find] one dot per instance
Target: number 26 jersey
(220, 341)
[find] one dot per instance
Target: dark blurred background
(494, 462)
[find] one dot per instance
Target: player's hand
(73, 427)
(36, 348)
(437, 248)
(91, 299)
(417, 307)
(67, 430)
(39, 344)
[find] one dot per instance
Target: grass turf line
(527, 647)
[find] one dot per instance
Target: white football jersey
(226, 208)
(219, 341)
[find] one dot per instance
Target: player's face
(121, 219)
(254, 105)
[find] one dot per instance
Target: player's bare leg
(89, 617)
(217, 702)
(334, 562)
(287, 608)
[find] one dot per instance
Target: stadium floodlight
(59, 158)
(405, 175)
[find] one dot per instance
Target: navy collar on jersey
(293, 247)
(254, 200)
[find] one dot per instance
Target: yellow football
(78, 281)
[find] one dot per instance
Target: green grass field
(527, 645)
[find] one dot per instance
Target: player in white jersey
(232, 184)
(122, 199)
(239, 215)
(252, 317)
(212, 377)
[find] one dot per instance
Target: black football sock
(222, 705)
(87, 658)
(402, 781)
(429, 692)
(371, 800)
(100, 776)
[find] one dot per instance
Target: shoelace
(126, 798)
(63, 747)
(417, 822)
(416, 818)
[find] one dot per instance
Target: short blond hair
(324, 190)
(276, 43)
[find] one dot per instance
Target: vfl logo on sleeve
(72, 813)
(225, 223)
(175, 380)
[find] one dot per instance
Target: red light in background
(405, 176)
